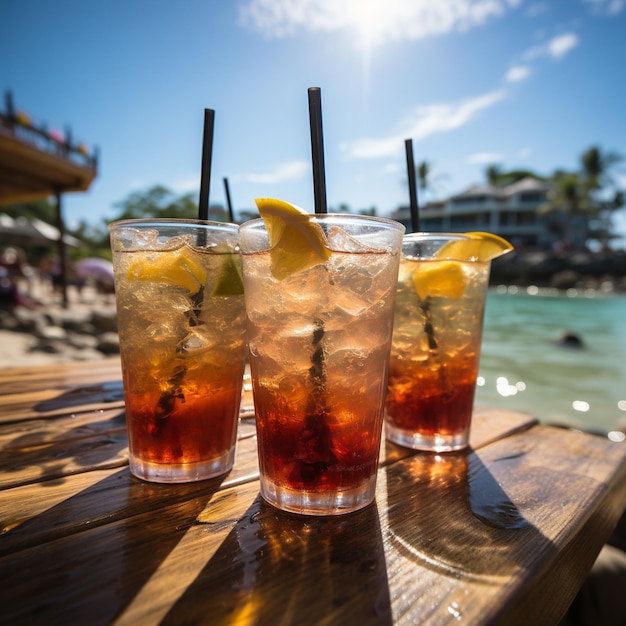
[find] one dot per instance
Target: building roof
(527, 184)
(478, 190)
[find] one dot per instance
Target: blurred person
(13, 268)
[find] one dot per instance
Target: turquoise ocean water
(523, 369)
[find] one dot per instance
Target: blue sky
(522, 83)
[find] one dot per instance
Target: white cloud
(484, 158)
(284, 173)
(185, 185)
(375, 20)
(517, 73)
(556, 48)
(607, 7)
(561, 45)
(423, 122)
(536, 9)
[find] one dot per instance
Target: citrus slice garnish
(444, 276)
(229, 282)
(296, 242)
(443, 279)
(177, 267)
(478, 247)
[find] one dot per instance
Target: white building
(511, 212)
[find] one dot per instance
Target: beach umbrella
(22, 230)
(96, 268)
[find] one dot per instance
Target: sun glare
(368, 18)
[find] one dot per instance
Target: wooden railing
(19, 124)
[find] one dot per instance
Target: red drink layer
(323, 451)
(320, 450)
(192, 424)
(418, 400)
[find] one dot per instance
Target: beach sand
(23, 349)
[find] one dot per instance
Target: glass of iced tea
(181, 321)
(320, 292)
(440, 304)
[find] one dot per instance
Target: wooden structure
(36, 163)
(505, 534)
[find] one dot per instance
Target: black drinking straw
(415, 226)
(317, 149)
(410, 168)
(207, 152)
(174, 390)
(231, 217)
(314, 446)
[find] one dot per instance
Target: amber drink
(440, 304)
(319, 300)
(181, 320)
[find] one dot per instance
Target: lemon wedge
(296, 242)
(229, 282)
(440, 279)
(479, 247)
(445, 276)
(176, 267)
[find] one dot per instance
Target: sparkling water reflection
(524, 366)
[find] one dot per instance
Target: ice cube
(338, 239)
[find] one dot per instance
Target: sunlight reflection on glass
(480, 381)
(581, 405)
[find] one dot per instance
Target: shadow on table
(106, 392)
(449, 513)
(110, 538)
(275, 567)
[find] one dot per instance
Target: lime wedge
(296, 242)
(229, 282)
(479, 247)
(173, 267)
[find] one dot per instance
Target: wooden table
(504, 534)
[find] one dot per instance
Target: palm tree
(603, 196)
(493, 173)
(424, 174)
(596, 167)
(566, 196)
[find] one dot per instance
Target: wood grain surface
(504, 533)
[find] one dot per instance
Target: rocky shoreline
(603, 272)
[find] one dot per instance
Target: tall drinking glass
(436, 343)
(181, 320)
(319, 341)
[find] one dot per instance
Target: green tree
(590, 191)
(493, 173)
(603, 195)
(157, 202)
(597, 167)
(497, 177)
(567, 197)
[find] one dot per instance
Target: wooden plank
(36, 457)
(470, 537)
(58, 376)
(518, 532)
(51, 403)
(34, 514)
